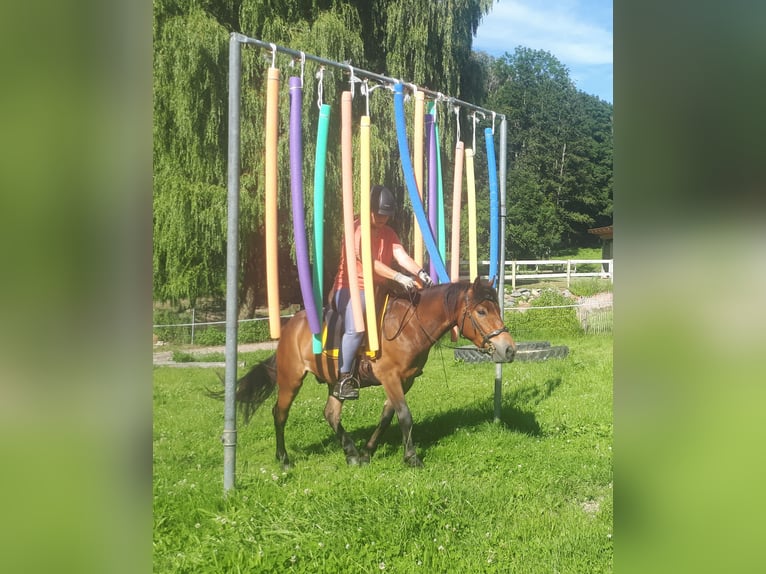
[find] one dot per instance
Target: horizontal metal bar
(217, 322)
(600, 274)
(555, 261)
(361, 72)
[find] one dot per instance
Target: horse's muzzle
(503, 349)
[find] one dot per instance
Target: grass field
(531, 494)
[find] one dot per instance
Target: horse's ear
(479, 283)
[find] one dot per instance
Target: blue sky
(577, 32)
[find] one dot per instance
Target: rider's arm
(404, 260)
(383, 270)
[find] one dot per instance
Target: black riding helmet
(382, 201)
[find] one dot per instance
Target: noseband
(486, 345)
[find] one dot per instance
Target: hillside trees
(559, 153)
(422, 41)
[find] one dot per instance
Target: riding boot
(347, 387)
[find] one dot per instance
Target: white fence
(556, 269)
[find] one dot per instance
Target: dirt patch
(165, 358)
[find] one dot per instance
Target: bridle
(486, 345)
(468, 309)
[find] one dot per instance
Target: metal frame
(229, 437)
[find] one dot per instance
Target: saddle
(332, 333)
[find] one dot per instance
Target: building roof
(603, 232)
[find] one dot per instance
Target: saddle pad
(332, 332)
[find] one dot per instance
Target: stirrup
(346, 388)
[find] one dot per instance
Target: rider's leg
(347, 386)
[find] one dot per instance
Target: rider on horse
(386, 247)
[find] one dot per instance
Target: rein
(405, 319)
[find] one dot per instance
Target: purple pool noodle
(296, 188)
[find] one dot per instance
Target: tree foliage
(559, 139)
(559, 153)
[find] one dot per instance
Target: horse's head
(480, 321)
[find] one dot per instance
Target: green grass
(582, 253)
(587, 286)
(579, 253)
(531, 494)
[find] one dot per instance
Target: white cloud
(570, 30)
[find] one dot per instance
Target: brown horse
(410, 328)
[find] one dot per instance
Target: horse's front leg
(332, 411)
(395, 389)
(385, 420)
(405, 423)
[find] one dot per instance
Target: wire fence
(591, 316)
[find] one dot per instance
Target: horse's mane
(454, 291)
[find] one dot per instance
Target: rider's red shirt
(383, 240)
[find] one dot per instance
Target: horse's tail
(254, 387)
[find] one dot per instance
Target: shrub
(253, 332)
(172, 334)
(210, 336)
(534, 322)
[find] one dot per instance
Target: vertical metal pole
(501, 282)
(229, 437)
(192, 326)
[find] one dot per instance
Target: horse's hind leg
(332, 412)
(287, 390)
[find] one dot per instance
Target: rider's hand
(425, 279)
(407, 282)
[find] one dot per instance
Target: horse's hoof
(364, 459)
(413, 461)
(352, 460)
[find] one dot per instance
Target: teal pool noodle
(320, 161)
(494, 209)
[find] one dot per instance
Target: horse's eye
(481, 312)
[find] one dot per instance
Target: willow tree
(190, 65)
(190, 136)
(418, 40)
